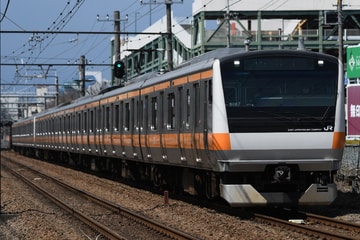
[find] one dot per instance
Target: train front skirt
(244, 195)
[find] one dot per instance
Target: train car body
(256, 128)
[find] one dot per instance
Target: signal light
(119, 69)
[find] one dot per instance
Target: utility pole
(117, 35)
(340, 30)
(82, 74)
(56, 90)
(117, 45)
(169, 35)
(169, 31)
(228, 24)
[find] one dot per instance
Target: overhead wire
(6, 8)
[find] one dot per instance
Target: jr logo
(328, 128)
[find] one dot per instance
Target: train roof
(196, 64)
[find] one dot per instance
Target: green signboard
(353, 62)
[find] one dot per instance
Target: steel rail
(177, 234)
(108, 233)
(333, 222)
(150, 223)
(302, 228)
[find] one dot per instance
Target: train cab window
(154, 111)
(117, 118)
(171, 111)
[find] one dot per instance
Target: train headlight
(236, 63)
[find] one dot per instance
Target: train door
(92, 147)
(162, 132)
(68, 131)
(101, 127)
(116, 128)
(194, 114)
(187, 139)
(137, 127)
(126, 133)
(96, 129)
(170, 136)
(86, 130)
(180, 122)
(204, 96)
(145, 127)
(73, 132)
(154, 151)
(79, 132)
(107, 134)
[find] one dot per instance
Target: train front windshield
(280, 93)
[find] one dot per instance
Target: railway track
(114, 213)
(309, 224)
(315, 226)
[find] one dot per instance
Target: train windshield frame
(275, 93)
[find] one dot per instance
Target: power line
(6, 8)
(77, 32)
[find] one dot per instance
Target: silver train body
(255, 128)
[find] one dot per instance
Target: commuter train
(255, 128)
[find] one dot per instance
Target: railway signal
(119, 69)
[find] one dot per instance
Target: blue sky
(69, 15)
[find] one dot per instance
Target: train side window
(60, 125)
(179, 111)
(132, 116)
(197, 104)
(145, 112)
(171, 111)
(78, 122)
(107, 118)
(127, 117)
(68, 123)
(121, 116)
(154, 111)
(91, 121)
(98, 119)
(210, 92)
(188, 109)
(140, 114)
(117, 118)
(85, 125)
(63, 124)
